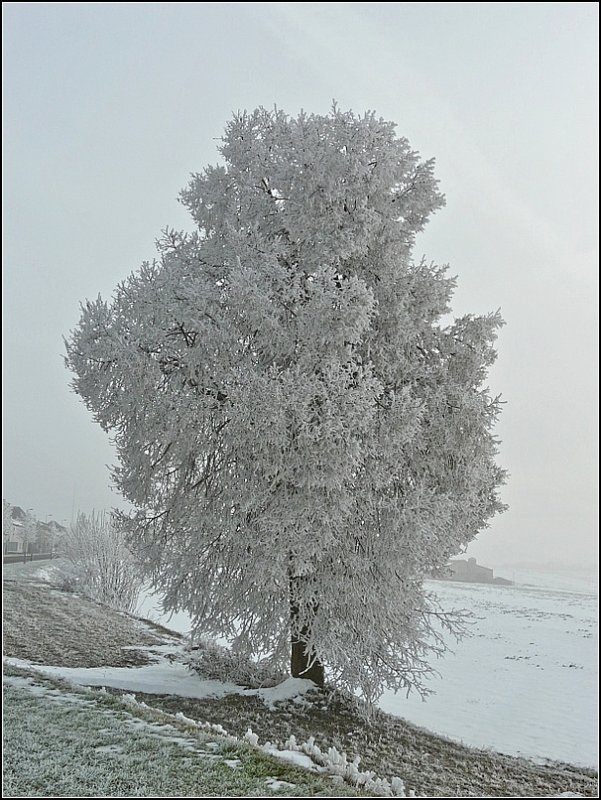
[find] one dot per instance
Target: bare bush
(214, 662)
(101, 566)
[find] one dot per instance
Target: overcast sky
(109, 106)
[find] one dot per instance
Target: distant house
(48, 535)
(43, 538)
(14, 534)
(23, 534)
(472, 572)
(13, 540)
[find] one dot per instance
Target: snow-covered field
(524, 682)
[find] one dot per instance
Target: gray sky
(109, 107)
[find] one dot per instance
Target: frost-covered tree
(302, 436)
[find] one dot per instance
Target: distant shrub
(100, 564)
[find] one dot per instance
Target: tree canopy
(302, 435)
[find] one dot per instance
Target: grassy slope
(79, 633)
(60, 741)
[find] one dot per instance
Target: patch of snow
(218, 728)
(274, 784)
(290, 689)
(188, 720)
(47, 692)
(163, 677)
(293, 757)
(251, 738)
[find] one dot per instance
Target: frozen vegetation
(101, 565)
(325, 732)
(66, 742)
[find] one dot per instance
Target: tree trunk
(300, 664)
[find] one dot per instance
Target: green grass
(59, 741)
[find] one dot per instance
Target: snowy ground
(165, 675)
(524, 682)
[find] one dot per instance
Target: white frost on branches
(294, 423)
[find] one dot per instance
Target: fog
(109, 107)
